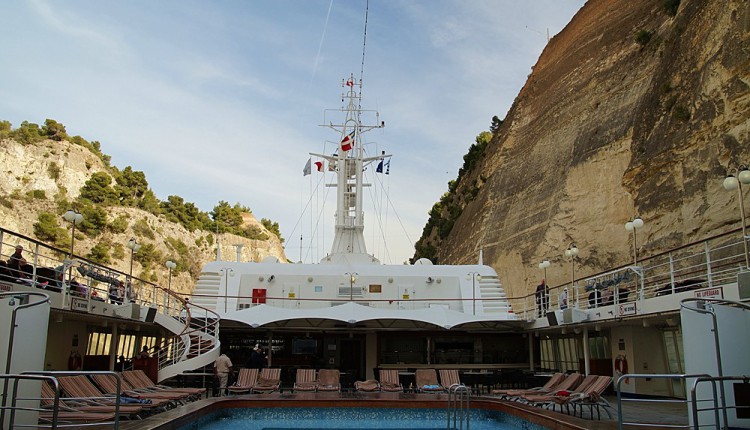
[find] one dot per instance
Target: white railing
(82, 283)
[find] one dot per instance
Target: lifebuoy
(621, 366)
(75, 361)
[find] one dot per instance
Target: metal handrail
(459, 404)
(11, 336)
(713, 380)
(620, 420)
(172, 349)
(704, 306)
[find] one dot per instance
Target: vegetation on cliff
(126, 188)
(461, 192)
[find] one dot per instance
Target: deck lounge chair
(138, 379)
(545, 399)
(246, 379)
(71, 410)
(591, 396)
(131, 382)
(367, 386)
(306, 380)
(546, 388)
(268, 381)
(76, 417)
(80, 389)
(568, 384)
(329, 380)
(389, 381)
(427, 381)
(108, 385)
(449, 378)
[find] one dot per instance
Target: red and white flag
(319, 166)
(349, 83)
(347, 142)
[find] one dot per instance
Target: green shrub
(670, 6)
(6, 202)
(118, 225)
(643, 37)
(681, 113)
(37, 194)
(46, 228)
(141, 228)
(100, 253)
(53, 170)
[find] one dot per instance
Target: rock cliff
(37, 177)
(630, 110)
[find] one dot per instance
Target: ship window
(376, 288)
(98, 343)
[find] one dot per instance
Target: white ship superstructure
(246, 292)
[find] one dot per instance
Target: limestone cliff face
(27, 168)
(606, 128)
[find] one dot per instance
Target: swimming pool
(363, 418)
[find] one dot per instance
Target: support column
(113, 347)
(531, 351)
(586, 354)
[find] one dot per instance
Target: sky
(223, 100)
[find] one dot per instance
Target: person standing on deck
(222, 369)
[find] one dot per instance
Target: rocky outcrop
(628, 111)
(36, 177)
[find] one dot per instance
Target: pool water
(353, 418)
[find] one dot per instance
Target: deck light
(170, 265)
(731, 183)
(74, 218)
(571, 253)
(633, 226)
(134, 247)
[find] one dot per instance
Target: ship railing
(709, 263)
(199, 336)
(51, 268)
(79, 283)
(633, 417)
(707, 407)
(25, 407)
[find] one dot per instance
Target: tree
(100, 253)
(130, 186)
(273, 227)
(97, 189)
(496, 124)
(27, 133)
(46, 228)
(226, 217)
(5, 129)
(54, 130)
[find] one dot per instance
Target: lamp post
(475, 276)
(571, 253)
(134, 247)
(170, 265)
(545, 295)
(352, 280)
(226, 272)
(74, 218)
(633, 225)
(732, 182)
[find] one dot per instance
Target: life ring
(75, 361)
(621, 366)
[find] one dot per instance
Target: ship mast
(349, 162)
